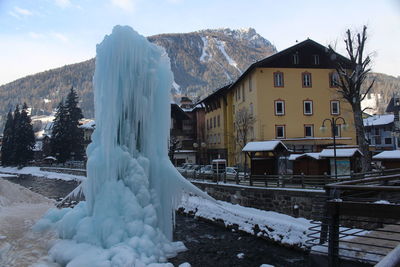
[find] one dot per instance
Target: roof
(377, 120)
(309, 155)
(393, 154)
(393, 105)
(89, 125)
(275, 59)
(262, 146)
(340, 153)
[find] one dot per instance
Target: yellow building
(288, 95)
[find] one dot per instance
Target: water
(208, 244)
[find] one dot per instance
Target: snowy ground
(35, 171)
(279, 227)
(20, 208)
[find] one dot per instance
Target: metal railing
(286, 180)
(360, 221)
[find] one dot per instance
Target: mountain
(385, 86)
(201, 61)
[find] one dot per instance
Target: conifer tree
(16, 124)
(74, 133)
(24, 137)
(8, 141)
(58, 135)
(67, 137)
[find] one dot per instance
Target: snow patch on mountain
(221, 47)
(205, 56)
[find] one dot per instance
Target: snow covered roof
(50, 158)
(393, 154)
(340, 153)
(185, 151)
(89, 125)
(379, 120)
(262, 146)
(311, 155)
(38, 146)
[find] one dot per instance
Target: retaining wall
(294, 202)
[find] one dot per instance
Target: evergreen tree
(58, 140)
(16, 124)
(67, 137)
(8, 141)
(24, 137)
(74, 133)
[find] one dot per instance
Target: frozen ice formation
(132, 187)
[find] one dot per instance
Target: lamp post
(333, 121)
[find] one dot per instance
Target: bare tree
(351, 77)
(243, 122)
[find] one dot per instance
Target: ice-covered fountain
(132, 187)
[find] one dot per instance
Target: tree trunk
(361, 141)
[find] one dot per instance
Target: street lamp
(333, 123)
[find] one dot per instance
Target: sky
(43, 34)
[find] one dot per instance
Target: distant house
(88, 128)
(187, 131)
(379, 131)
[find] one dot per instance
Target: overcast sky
(43, 34)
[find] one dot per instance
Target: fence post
(333, 244)
(302, 180)
(326, 179)
(237, 177)
(224, 174)
(251, 179)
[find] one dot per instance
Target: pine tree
(8, 139)
(16, 124)
(24, 138)
(74, 133)
(58, 140)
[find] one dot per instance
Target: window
(388, 141)
(378, 140)
(219, 138)
(337, 130)
(218, 119)
(279, 107)
(306, 79)
(238, 93)
(251, 109)
(280, 131)
(333, 79)
(307, 107)
(296, 59)
(233, 109)
(278, 79)
(316, 59)
(376, 131)
(309, 130)
(250, 84)
(243, 91)
(335, 107)
(210, 123)
(215, 122)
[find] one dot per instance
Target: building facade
(287, 96)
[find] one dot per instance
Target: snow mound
(12, 194)
(19, 210)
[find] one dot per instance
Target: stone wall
(80, 172)
(293, 202)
